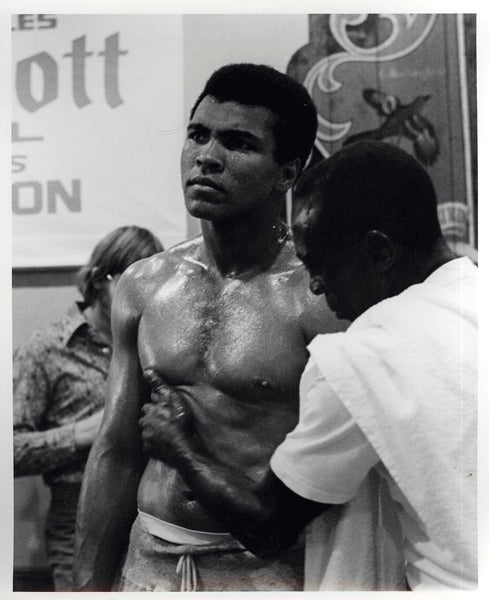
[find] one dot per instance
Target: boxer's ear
(288, 174)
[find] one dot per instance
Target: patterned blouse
(59, 378)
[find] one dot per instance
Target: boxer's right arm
(108, 500)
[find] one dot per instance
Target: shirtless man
(224, 318)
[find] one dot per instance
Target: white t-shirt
(398, 390)
(329, 441)
(355, 546)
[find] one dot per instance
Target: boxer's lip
(205, 182)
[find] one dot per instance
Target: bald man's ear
(289, 172)
(381, 250)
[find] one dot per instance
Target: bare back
(237, 348)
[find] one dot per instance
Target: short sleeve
(326, 457)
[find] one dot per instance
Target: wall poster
(404, 79)
(97, 127)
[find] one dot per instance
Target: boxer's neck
(244, 248)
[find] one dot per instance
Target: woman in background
(59, 390)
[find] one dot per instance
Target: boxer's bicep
(126, 389)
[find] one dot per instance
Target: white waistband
(179, 535)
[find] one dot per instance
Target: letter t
(79, 54)
(111, 72)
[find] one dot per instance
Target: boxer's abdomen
(163, 494)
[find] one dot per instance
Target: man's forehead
(309, 229)
(301, 227)
(306, 213)
(231, 114)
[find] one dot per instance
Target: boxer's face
(227, 164)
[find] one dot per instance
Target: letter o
(23, 79)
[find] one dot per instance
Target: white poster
(97, 128)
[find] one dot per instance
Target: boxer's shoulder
(158, 268)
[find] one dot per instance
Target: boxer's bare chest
(236, 346)
(231, 333)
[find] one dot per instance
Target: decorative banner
(401, 79)
(97, 129)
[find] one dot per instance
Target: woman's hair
(113, 254)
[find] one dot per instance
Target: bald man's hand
(166, 423)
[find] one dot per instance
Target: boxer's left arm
(265, 515)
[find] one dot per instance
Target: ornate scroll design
(407, 33)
